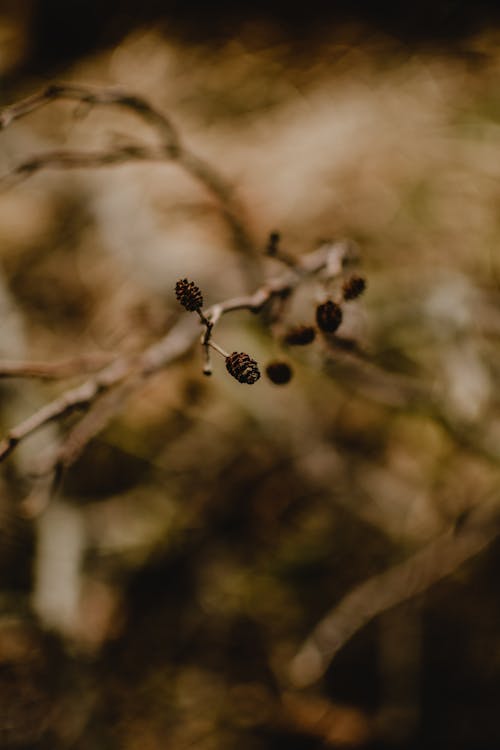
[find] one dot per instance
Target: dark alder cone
(189, 295)
(353, 287)
(273, 242)
(300, 335)
(279, 372)
(328, 316)
(242, 367)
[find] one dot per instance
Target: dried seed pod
(189, 295)
(328, 316)
(242, 367)
(300, 335)
(272, 243)
(279, 372)
(353, 287)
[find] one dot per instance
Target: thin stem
(205, 341)
(204, 320)
(218, 349)
(207, 367)
(172, 347)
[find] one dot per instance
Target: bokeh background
(161, 596)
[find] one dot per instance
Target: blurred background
(160, 598)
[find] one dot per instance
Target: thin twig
(403, 393)
(70, 401)
(97, 418)
(174, 345)
(66, 159)
(437, 560)
(219, 349)
(328, 257)
(94, 96)
(205, 342)
(81, 365)
(169, 148)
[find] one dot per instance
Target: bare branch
(231, 209)
(93, 422)
(93, 96)
(76, 398)
(352, 369)
(415, 575)
(329, 257)
(174, 345)
(169, 148)
(81, 365)
(101, 411)
(61, 159)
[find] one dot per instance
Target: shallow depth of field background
(159, 599)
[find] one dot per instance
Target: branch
(92, 96)
(364, 602)
(170, 148)
(62, 159)
(101, 411)
(329, 257)
(353, 370)
(174, 345)
(83, 364)
(76, 398)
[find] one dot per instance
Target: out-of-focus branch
(174, 345)
(94, 96)
(81, 365)
(72, 400)
(231, 209)
(351, 369)
(354, 371)
(170, 148)
(176, 342)
(415, 575)
(62, 159)
(100, 412)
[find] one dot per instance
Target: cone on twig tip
(279, 372)
(189, 295)
(242, 367)
(300, 335)
(328, 316)
(273, 243)
(353, 287)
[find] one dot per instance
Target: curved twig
(174, 345)
(437, 560)
(94, 96)
(170, 148)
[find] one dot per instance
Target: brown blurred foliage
(160, 598)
